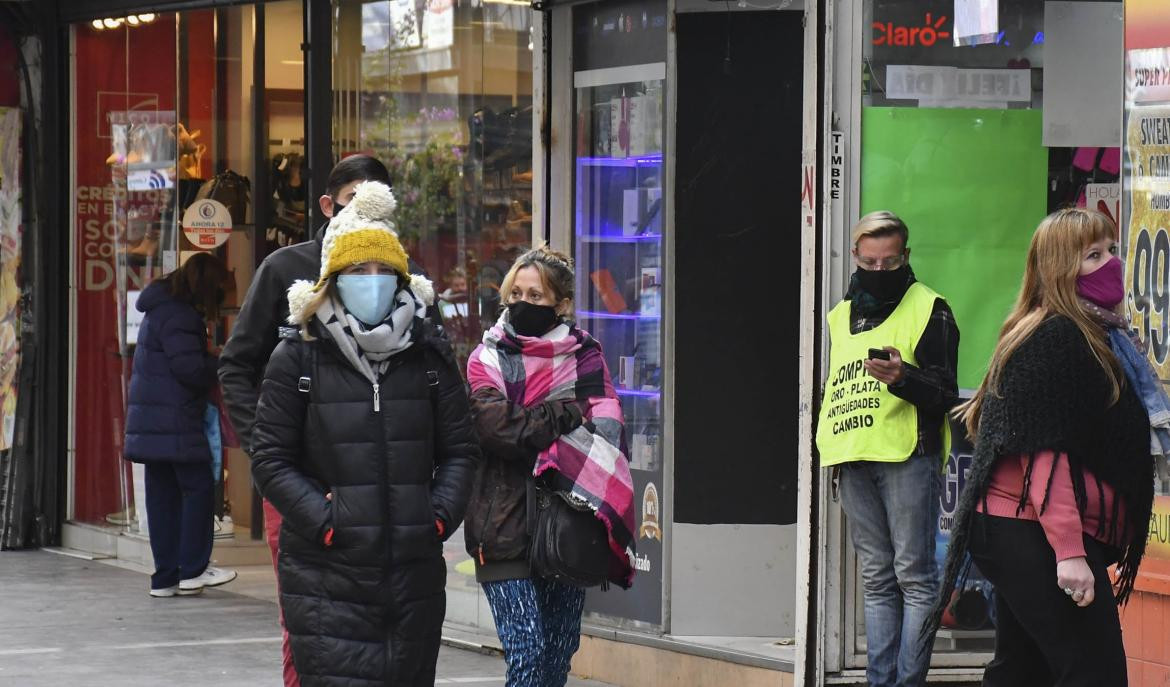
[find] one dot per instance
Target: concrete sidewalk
(68, 621)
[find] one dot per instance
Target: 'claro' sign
(931, 31)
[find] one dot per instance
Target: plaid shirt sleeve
(932, 385)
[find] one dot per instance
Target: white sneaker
(211, 577)
(164, 592)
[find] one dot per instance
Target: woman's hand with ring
(1074, 576)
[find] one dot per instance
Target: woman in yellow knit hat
(363, 442)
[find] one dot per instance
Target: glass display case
(618, 231)
(618, 235)
(619, 281)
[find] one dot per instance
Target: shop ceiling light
(132, 20)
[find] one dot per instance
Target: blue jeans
(539, 624)
(893, 519)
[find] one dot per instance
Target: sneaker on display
(224, 528)
(165, 592)
(122, 518)
(211, 577)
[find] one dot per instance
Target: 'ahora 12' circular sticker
(207, 224)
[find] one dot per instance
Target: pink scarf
(591, 461)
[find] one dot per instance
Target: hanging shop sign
(207, 224)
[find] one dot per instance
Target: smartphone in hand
(878, 354)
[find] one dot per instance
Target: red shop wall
(117, 70)
(200, 60)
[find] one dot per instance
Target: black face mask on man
(532, 320)
(884, 285)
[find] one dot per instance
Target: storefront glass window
(441, 92)
(619, 81)
(1146, 243)
(973, 140)
(164, 126)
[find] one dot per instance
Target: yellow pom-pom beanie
(362, 232)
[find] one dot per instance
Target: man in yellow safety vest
(892, 364)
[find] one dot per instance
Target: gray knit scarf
(364, 347)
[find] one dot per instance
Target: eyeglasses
(885, 264)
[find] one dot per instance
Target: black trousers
(1042, 638)
(178, 514)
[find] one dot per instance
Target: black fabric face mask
(337, 208)
(532, 320)
(884, 285)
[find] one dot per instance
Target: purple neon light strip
(589, 314)
(640, 394)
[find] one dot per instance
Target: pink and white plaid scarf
(591, 461)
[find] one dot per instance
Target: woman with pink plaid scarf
(545, 409)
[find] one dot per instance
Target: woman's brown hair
(556, 273)
(202, 282)
(1050, 288)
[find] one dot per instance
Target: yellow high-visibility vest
(860, 419)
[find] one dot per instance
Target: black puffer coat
(367, 609)
(173, 377)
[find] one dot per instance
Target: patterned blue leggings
(539, 624)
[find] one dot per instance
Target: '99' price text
(1151, 291)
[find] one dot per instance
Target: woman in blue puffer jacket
(174, 375)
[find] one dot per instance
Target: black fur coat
(1053, 395)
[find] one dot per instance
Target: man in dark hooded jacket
(264, 316)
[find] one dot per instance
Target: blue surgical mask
(368, 297)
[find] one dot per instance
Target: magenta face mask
(1104, 287)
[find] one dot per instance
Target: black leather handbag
(569, 543)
